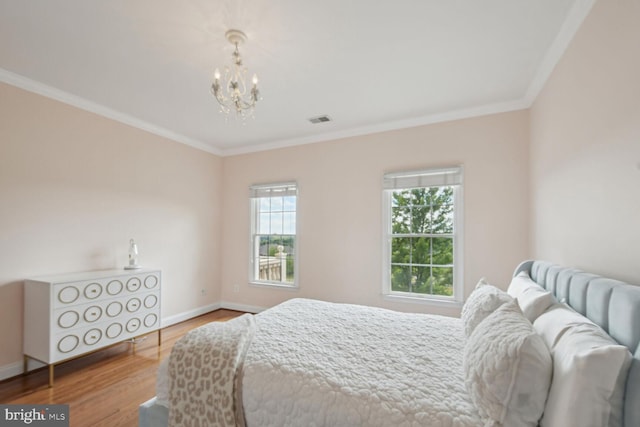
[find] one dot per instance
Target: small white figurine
(133, 256)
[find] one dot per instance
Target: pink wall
(340, 207)
(585, 149)
(75, 187)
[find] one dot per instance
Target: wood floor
(106, 387)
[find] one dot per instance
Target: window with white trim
(273, 234)
(423, 234)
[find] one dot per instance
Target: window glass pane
(263, 245)
(290, 260)
(400, 278)
(289, 203)
(401, 198)
(443, 219)
(443, 281)
(264, 224)
(276, 223)
(442, 251)
(420, 197)
(400, 220)
(421, 220)
(401, 250)
(421, 250)
(420, 282)
(276, 204)
(265, 204)
(441, 195)
(289, 226)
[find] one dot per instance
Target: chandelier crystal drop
(231, 89)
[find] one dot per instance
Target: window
(273, 234)
(423, 234)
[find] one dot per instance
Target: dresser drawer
(81, 292)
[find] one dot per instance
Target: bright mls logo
(36, 415)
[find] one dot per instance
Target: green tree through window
(422, 236)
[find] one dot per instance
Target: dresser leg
(25, 366)
(51, 375)
(159, 337)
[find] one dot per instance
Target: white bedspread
(318, 364)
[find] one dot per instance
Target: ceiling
(371, 66)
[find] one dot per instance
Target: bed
(307, 362)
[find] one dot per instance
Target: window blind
(274, 190)
(425, 178)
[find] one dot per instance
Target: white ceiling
(370, 65)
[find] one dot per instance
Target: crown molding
(570, 26)
(84, 104)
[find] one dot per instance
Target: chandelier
(231, 90)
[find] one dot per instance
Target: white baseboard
(10, 370)
(186, 315)
(241, 307)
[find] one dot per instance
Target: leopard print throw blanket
(205, 371)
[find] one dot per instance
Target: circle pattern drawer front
(150, 301)
(114, 287)
(93, 290)
(114, 330)
(74, 314)
(150, 320)
(133, 284)
(68, 343)
(133, 324)
(92, 313)
(114, 309)
(68, 319)
(151, 282)
(68, 294)
(92, 336)
(133, 305)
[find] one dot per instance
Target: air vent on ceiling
(320, 119)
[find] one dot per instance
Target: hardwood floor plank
(105, 388)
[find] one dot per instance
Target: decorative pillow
(589, 375)
(483, 301)
(507, 368)
(532, 298)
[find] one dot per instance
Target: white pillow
(519, 283)
(483, 301)
(589, 375)
(507, 368)
(534, 301)
(554, 322)
(532, 298)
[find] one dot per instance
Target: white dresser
(69, 315)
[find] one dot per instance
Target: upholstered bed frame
(612, 304)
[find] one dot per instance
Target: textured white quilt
(313, 363)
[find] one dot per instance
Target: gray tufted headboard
(612, 304)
